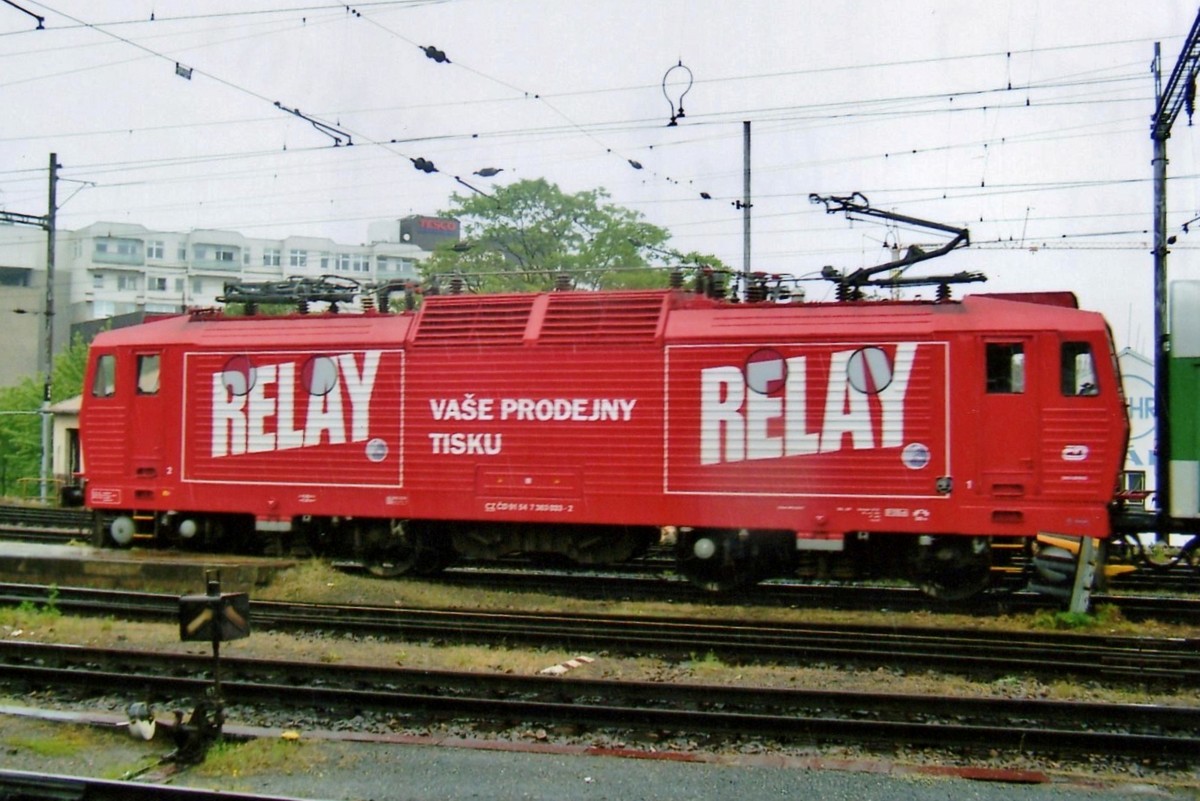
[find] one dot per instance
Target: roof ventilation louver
(453, 320)
(608, 318)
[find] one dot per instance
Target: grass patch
(31, 615)
(708, 667)
(1105, 616)
(65, 742)
(235, 759)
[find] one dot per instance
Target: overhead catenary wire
(566, 130)
(506, 84)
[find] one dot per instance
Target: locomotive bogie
(899, 438)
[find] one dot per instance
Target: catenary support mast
(1180, 89)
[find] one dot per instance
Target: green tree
(522, 235)
(20, 415)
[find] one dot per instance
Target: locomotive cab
(1051, 437)
(128, 421)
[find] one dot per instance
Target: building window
(97, 280)
(298, 258)
(155, 250)
(182, 253)
(1133, 486)
(343, 262)
(271, 257)
(222, 256)
(246, 258)
(393, 264)
(178, 286)
(129, 283)
(197, 286)
(156, 284)
(360, 263)
(103, 309)
(113, 250)
(118, 247)
(324, 262)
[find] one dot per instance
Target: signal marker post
(213, 617)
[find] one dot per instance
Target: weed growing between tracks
(30, 618)
(59, 742)
(236, 759)
(28, 744)
(1105, 618)
(36, 614)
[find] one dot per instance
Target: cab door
(146, 434)
(1009, 419)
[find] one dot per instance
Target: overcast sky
(1025, 121)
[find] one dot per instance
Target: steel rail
(30, 786)
(41, 517)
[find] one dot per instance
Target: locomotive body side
(582, 423)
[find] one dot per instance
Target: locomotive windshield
(104, 384)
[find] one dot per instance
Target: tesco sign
(428, 232)
(436, 224)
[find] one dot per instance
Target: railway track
(43, 524)
(27, 786)
(412, 698)
(654, 579)
(1167, 661)
(801, 594)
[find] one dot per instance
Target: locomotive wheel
(392, 562)
(708, 559)
(121, 531)
(407, 552)
(1125, 549)
(954, 568)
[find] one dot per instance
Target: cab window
(147, 383)
(1005, 368)
(1078, 369)
(104, 383)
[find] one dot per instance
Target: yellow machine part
(1072, 544)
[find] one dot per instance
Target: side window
(147, 382)
(104, 383)
(1133, 483)
(1005, 368)
(1078, 369)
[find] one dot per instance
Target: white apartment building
(110, 270)
(119, 268)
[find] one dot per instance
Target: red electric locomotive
(905, 438)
